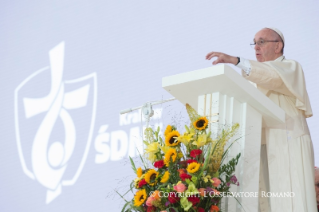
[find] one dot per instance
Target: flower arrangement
(188, 171)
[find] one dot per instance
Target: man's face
(265, 52)
(317, 185)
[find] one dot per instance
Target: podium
(225, 98)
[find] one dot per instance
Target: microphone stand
(147, 109)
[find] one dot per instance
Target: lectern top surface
(186, 87)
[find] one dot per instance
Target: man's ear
(278, 47)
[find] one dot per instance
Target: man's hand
(222, 58)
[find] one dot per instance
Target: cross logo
(54, 122)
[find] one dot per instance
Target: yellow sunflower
(170, 154)
(168, 130)
(139, 172)
(171, 138)
(140, 197)
(150, 177)
(201, 123)
(193, 167)
(165, 177)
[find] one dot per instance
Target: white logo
(48, 113)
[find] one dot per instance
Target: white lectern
(225, 97)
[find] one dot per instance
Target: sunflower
(170, 154)
(165, 177)
(139, 172)
(171, 138)
(201, 123)
(168, 130)
(140, 197)
(150, 177)
(193, 167)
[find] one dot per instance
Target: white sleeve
(245, 65)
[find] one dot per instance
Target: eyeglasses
(262, 43)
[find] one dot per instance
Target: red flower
(191, 161)
(173, 197)
(195, 153)
(151, 209)
(159, 164)
(201, 210)
(184, 176)
(193, 200)
(142, 183)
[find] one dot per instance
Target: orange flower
(202, 192)
(214, 208)
(155, 195)
(181, 171)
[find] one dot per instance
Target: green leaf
(141, 158)
(161, 140)
(187, 181)
(124, 207)
(206, 161)
(121, 196)
(131, 187)
(227, 150)
(133, 164)
(187, 129)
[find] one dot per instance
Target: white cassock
(287, 158)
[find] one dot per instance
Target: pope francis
(287, 158)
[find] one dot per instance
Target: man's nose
(256, 47)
